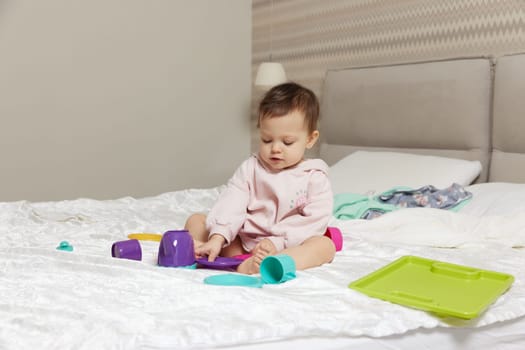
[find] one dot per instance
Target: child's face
(284, 140)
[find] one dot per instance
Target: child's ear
(312, 139)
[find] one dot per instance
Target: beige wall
(109, 98)
(311, 36)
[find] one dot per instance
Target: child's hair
(288, 97)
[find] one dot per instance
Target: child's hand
(212, 248)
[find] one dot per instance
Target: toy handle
(412, 297)
(242, 256)
(456, 271)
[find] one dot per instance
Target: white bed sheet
(501, 336)
(85, 299)
(497, 198)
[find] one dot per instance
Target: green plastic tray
(444, 288)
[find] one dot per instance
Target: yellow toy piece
(156, 237)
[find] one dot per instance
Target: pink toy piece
(335, 235)
(242, 256)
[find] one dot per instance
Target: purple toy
(176, 249)
(220, 262)
(129, 249)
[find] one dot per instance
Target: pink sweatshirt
(286, 206)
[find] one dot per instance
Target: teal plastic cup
(277, 269)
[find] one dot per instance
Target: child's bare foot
(252, 265)
(248, 266)
(264, 248)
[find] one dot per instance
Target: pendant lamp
(270, 73)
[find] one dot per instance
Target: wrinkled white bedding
(85, 299)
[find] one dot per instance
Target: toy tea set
(439, 287)
(176, 249)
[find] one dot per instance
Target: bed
(454, 120)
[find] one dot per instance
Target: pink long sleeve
(286, 206)
(228, 214)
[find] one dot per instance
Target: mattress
(85, 299)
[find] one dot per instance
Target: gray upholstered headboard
(508, 141)
(442, 108)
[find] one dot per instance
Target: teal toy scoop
(274, 269)
(232, 279)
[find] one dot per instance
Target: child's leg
(234, 248)
(196, 225)
(315, 251)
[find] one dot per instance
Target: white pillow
(365, 172)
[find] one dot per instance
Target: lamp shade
(270, 74)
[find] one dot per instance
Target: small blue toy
(65, 246)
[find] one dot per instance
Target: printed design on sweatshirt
(300, 200)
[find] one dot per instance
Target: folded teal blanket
(349, 206)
